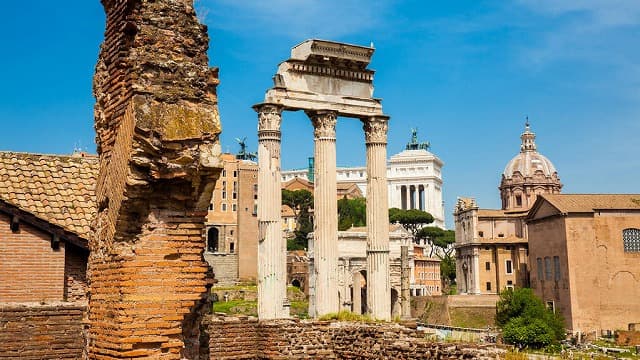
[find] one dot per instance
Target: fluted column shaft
(272, 251)
(378, 281)
(325, 225)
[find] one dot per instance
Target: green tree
(301, 203)
(441, 242)
(351, 212)
(525, 321)
(412, 220)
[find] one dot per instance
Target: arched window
(212, 240)
(631, 240)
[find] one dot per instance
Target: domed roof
(528, 161)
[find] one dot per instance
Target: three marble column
(272, 273)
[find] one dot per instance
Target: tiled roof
(500, 213)
(571, 203)
(59, 189)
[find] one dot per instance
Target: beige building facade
(232, 226)
(585, 259)
(491, 245)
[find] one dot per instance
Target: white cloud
(297, 18)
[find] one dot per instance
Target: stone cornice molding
(269, 117)
(324, 123)
(375, 129)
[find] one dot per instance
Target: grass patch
(346, 315)
(236, 307)
(475, 318)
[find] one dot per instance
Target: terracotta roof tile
(568, 203)
(59, 189)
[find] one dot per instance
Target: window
(547, 268)
(235, 173)
(487, 266)
(500, 236)
(210, 206)
(539, 266)
(255, 209)
(551, 306)
(509, 266)
(509, 284)
(518, 200)
(481, 233)
(224, 172)
(234, 207)
(556, 268)
(631, 240)
(234, 195)
(212, 240)
(488, 285)
(224, 207)
(231, 247)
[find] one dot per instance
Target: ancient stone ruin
(325, 79)
(157, 129)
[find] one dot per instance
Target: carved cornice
(269, 117)
(375, 129)
(324, 123)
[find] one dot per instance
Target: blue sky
(465, 73)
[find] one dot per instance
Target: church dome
(528, 161)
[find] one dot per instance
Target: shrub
(525, 321)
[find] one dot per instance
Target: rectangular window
(224, 172)
(234, 195)
(234, 207)
(509, 284)
(556, 268)
(224, 207)
(231, 247)
(224, 195)
(488, 286)
(547, 268)
(235, 173)
(481, 233)
(509, 266)
(551, 306)
(487, 266)
(539, 268)
(210, 206)
(255, 209)
(518, 200)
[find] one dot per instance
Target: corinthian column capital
(375, 129)
(269, 117)
(324, 123)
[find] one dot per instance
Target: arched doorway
(213, 240)
(296, 283)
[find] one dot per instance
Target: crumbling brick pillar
(157, 128)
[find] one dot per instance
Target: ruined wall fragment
(157, 128)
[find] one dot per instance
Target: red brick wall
(41, 332)
(29, 269)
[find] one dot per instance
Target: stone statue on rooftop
(243, 154)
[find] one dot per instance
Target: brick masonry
(157, 128)
(225, 267)
(41, 332)
(32, 271)
(246, 338)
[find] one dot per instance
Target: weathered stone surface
(246, 338)
(157, 128)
